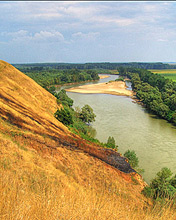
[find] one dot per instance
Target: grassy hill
(48, 173)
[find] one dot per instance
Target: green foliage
(157, 93)
(81, 128)
(47, 76)
(63, 98)
(173, 181)
(64, 115)
(132, 158)
(111, 143)
(148, 192)
(40, 67)
(87, 115)
(52, 90)
(120, 79)
(162, 186)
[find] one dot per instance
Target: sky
(79, 32)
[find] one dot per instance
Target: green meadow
(167, 73)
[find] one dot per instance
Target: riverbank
(113, 88)
(77, 83)
(103, 76)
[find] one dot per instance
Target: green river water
(154, 140)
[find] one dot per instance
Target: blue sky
(79, 32)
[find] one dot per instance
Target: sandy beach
(103, 76)
(114, 88)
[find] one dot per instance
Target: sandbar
(113, 88)
(103, 76)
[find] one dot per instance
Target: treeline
(47, 78)
(157, 93)
(106, 65)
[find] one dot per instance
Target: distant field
(167, 73)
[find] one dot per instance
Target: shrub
(52, 90)
(64, 115)
(87, 115)
(111, 143)
(132, 158)
(63, 97)
(162, 186)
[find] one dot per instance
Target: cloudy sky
(79, 32)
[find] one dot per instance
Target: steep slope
(49, 173)
(28, 106)
(25, 103)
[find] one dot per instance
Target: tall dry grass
(50, 200)
(35, 188)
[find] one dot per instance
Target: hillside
(49, 173)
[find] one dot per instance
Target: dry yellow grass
(36, 187)
(45, 172)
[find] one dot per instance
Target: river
(153, 140)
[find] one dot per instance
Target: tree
(52, 90)
(111, 143)
(63, 97)
(132, 158)
(162, 186)
(87, 115)
(64, 115)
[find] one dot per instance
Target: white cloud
(86, 36)
(162, 40)
(42, 36)
(53, 36)
(20, 33)
(70, 25)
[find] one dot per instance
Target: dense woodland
(47, 78)
(157, 93)
(106, 65)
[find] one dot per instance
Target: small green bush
(64, 115)
(111, 143)
(63, 97)
(162, 186)
(87, 115)
(132, 158)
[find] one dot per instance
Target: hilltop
(49, 173)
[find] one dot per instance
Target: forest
(84, 66)
(46, 78)
(157, 93)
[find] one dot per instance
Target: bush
(63, 97)
(132, 158)
(162, 186)
(120, 79)
(87, 115)
(64, 115)
(52, 90)
(111, 143)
